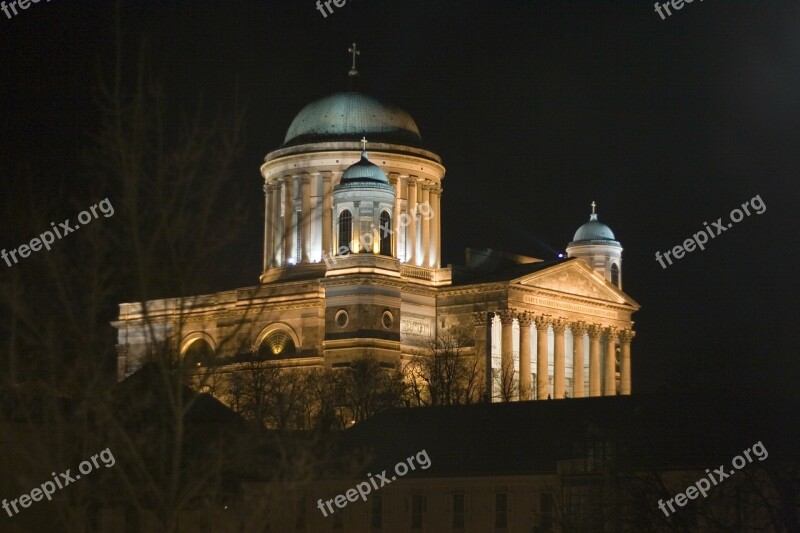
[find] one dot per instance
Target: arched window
(345, 229)
(277, 344)
(199, 353)
(386, 236)
(615, 274)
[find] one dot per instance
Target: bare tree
(366, 388)
(444, 372)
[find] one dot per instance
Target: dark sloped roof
(505, 274)
(653, 431)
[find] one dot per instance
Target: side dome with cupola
(594, 242)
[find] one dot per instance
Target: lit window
(345, 229)
(199, 353)
(277, 343)
(615, 274)
(386, 237)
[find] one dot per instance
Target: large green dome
(349, 116)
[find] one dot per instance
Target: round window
(342, 318)
(387, 319)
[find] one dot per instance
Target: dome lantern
(594, 242)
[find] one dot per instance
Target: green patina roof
(351, 115)
(364, 173)
(594, 230)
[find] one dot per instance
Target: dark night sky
(666, 124)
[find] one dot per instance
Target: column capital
(479, 318)
(594, 331)
(305, 178)
(267, 188)
(559, 325)
(626, 336)
(578, 328)
(610, 332)
(542, 321)
(424, 185)
(326, 176)
(506, 316)
(393, 179)
(412, 181)
(525, 318)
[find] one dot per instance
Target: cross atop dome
(363, 144)
(356, 52)
(593, 216)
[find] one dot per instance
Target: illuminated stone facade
(352, 266)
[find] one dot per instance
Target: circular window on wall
(387, 319)
(342, 318)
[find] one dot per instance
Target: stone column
(524, 320)
(610, 375)
(625, 337)
(439, 228)
(306, 220)
(594, 359)
(288, 220)
(327, 215)
(277, 240)
(434, 209)
(482, 352)
(394, 181)
(578, 329)
(559, 359)
(426, 227)
(411, 243)
(542, 382)
(267, 226)
(506, 354)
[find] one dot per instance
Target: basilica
(352, 267)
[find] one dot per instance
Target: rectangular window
(501, 510)
(300, 518)
(417, 510)
(458, 511)
(376, 521)
(545, 511)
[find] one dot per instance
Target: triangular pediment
(578, 279)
